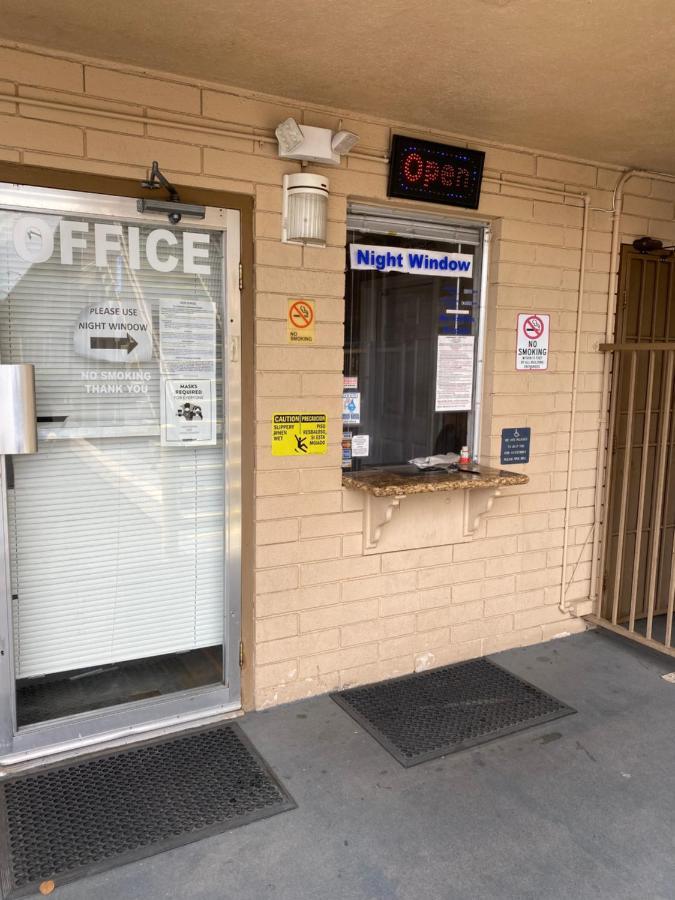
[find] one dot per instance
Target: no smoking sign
(300, 321)
(532, 341)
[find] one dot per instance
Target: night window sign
(436, 173)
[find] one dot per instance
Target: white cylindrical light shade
(305, 208)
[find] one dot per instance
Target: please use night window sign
(437, 173)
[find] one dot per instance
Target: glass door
(121, 534)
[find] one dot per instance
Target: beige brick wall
(328, 616)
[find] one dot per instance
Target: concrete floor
(578, 808)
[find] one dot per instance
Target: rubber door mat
(67, 821)
(435, 713)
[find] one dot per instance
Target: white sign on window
(351, 408)
(454, 373)
(188, 412)
(113, 332)
(187, 338)
(532, 341)
(360, 445)
(411, 261)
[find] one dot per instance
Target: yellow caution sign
(299, 434)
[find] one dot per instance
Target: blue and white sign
(410, 261)
(351, 408)
(515, 447)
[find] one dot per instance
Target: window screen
(411, 339)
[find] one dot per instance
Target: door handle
(18, 422)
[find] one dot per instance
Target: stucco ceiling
(590, 78)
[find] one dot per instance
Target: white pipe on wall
(617, 209)
(562, 605)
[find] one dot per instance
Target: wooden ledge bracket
(378, 511)
(476, 504)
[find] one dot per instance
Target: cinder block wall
(326, 615)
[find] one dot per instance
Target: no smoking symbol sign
(301, 321)
(301, 315)
(533, 327)
(532, 341)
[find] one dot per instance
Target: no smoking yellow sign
(301, 321)
(299, 434)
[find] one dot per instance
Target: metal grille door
(638, 583)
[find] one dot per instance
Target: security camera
(175, 217)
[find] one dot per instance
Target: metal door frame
(73, 732)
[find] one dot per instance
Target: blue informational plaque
(515, 446)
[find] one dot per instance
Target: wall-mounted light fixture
(305, 209)
(310, 144)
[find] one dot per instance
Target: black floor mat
(67, 821)
(431, 714)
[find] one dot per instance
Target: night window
(413, 337)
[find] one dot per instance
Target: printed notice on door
(188, 412)
(454, 373)
(187, 338)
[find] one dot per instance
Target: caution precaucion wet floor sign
(299, 434)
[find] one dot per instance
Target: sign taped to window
(351, 408)
(188, 412)
(187, 338)
(299, 434)
(454, 373)
(410, 261)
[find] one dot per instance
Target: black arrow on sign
(126, 343)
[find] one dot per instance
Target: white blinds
(116, 541)
(422, 225)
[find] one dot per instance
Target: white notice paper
(187, 338)
(360, 445)
(454, 373)
(188, 412)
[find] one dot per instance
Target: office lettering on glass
(34, 242)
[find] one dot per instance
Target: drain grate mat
(71, 820)
(431, 714)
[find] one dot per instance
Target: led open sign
(437, 173)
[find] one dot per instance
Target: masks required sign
(188, 412)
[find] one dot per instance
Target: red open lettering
(413, 167)
(430, 172)
(447, 175)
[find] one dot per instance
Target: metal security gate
(637, 593)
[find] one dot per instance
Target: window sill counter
(400, 481)
(451, 515)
